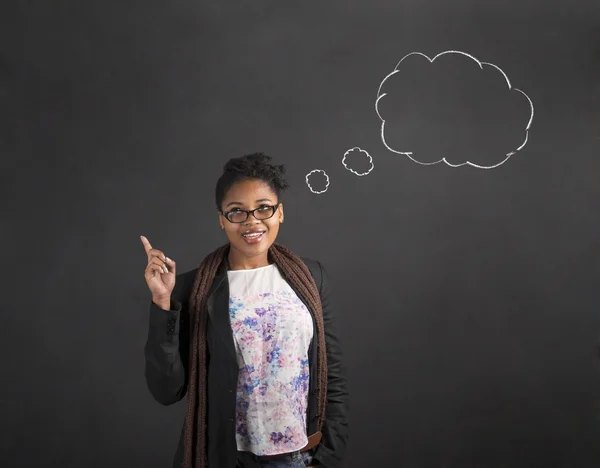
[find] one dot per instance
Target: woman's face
(253, 237)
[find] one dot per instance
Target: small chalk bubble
(317, 178)
(358, 161)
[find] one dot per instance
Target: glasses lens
(264, 212)
(237, 216)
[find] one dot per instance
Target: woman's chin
(252, 249)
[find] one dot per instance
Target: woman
(250, 336)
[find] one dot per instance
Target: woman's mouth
(253, 237)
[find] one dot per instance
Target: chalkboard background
(469, 296)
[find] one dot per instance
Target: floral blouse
(272, 330)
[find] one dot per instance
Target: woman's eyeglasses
(240, 216)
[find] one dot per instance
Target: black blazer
(167, 354)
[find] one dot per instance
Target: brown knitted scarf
(299, 276)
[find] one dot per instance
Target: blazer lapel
(218, 309)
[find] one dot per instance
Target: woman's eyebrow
(240, 203)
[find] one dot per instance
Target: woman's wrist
(162, 302)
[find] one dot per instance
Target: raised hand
(159, 274)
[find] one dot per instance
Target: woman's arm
(166, 352)
(332, 449)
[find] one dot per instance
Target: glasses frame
(249, 212)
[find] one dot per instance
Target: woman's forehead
(250, 191)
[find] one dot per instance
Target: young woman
(250, 335)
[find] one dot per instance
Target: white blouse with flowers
(272, 330)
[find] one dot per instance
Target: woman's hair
(251, 166)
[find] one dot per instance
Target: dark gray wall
(469, 296)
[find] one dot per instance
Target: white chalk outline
(481, 64)
(326, 177)
(362, 151)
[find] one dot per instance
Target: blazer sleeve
(332, 449)
(166, 352)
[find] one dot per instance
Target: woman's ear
(221, 221)
(281, 213)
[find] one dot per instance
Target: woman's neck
(239, 262)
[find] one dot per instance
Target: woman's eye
(264, 207)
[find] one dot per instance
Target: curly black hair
(251, 166)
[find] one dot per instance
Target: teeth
(253, 234)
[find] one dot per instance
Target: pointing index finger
(147, 246)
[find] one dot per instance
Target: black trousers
(297, 460)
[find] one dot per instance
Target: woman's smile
(254, 236)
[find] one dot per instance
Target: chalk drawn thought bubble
(358, 161)
(318, 178)
(452, 108)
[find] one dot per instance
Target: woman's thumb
(171, 264)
